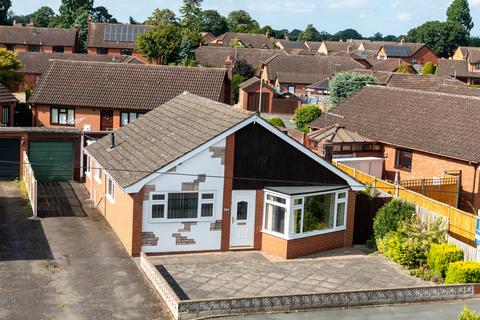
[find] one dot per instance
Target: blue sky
(366, 16)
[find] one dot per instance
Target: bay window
(182, 205)
(303, 215)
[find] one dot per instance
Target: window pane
(207, 196)
(242, 210)
(319, 212)
(296, 222)
(206, 210)
(340, 214)
(54, 115)
(71, 116)
(276, 199)
(342, 195)
(297, 201)
(124, 118)
(158, 197)
(133, 116)
(62, 119)
(276, 216)
(182, 205)
(158, 210)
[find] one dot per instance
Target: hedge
(441, 255)
(463, 272)
(277, 122)
(389, 216)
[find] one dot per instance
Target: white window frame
(98, 173)
(110, 186)
(290, 208)
(88, 171)
(165, 218)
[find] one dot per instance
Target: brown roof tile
(123, 86)
(38, 36)
(288, 44)
(455, 68)
(6, 96)
(257, 41)
(216, 56)
(337, 46)
(337, 134)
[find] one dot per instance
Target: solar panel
(397, 51)
(123, 33)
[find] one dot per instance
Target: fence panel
(30, 183)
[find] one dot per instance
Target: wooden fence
(444, 189)
(30, 183)
(462, 224)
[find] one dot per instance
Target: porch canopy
(293, 212)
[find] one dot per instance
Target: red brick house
(411, 53)
(217, 178)
(105, 96)
(7, 106)
(422, 136)
(20, 38)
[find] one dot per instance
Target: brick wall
(425, 55)
(257, 235)
(227, 192)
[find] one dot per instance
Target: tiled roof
(388, 65)
(437, 123)
(337, 134)
(123, 86)
(36, 62)
(402, 50)
(313, 45)
(96, 36)
(375, 45)
(216, 56)
(38, 36)
(452, 68)
(288, 44)
(423, 82)
(257, 41)
(5, 95)
(381, 76)
(163, 135)
(300, 78)
(250, 82)
(337, 46)
(472, 54)
(320, 66)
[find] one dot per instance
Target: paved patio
(246, 274)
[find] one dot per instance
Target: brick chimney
(349, 49)
(228, 94)
(402, 41)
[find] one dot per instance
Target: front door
(106, 120)
(243, 219)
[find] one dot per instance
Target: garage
(9, 159)
(52, 160)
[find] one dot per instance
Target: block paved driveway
(245, 274)
(67, 267)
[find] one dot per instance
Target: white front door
(242, 219)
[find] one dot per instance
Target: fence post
(374, 182)
(397, 187)
(424, 188)
(354, 172)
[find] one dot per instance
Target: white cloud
(299, 7)
(474, 3)
(404, 16)
(346, 4)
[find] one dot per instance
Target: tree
(98, 14)
(294, 34)
(43, 17)
(347, 34)
(161, 44)
(310, 34)
(211, 21)
(442, 37)
(4, 7)
(377, 37)
(241, 21)
(459, 12)
(9, 64)
(190, 11)
(101, 14)
(404, 68)
(237, 79)
(473, 41)
(277, 122)
(244, 69)
(390, 37)
(345, 84)
(162, 16)
(428, 68)
(131, 20)
(71, 9)
(306, 114)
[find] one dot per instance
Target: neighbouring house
(34, 64)
(105, 96)
(371, 45)
(28, 38)
(361, 56)
(7, 106)
(114, 39)
(243, 40)
(416, 54)
(294, 73)
(318, 92)
(391, 65)
(272, 102)
(422, 136)
(196, 175)
(207, 37)
(459, 69)
(331, 47)
(288, 45)
(213, 56)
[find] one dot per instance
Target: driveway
(248, 274)
(67, 267)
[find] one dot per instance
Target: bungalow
(291, 46)
(421, 136)
(196, 175)
(105, 96)
(331, 47)
(28, 38)
(244, 40)
(294, 73)
(412, 53)
(7, 106)
(459, 69)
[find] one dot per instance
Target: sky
(366, 16)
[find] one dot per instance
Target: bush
(389, 216)
(441, 255)
(428, 68)
(463, 272)
(345, 84)
(237, 79)
(306, 114)
(277, 122)
(468, 314)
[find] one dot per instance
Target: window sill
(402, 168)
(110, 199)
(88, 174)
(303, 235)
(169, 221)
(98, 180)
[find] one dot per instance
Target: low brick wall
(192, 309)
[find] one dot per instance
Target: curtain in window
(182, 205)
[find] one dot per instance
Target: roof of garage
(5, 95)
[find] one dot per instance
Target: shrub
(441, 255)
(468, 314)
(389, 216)
(463, 272)
(428, 68)
(306, 114)
(345, 84)
(237, 79)
(277, 122)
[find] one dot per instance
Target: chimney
(402, 41)
(30, 24)
(267, 34)
(14, 22)
(228, 95)
(349, 49)
(112, 140)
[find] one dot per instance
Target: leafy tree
(71, 9)
(310, 34)
(21, 19)
(9, 64)
(459, 12)
(377, 37)
(404, 68)
(131, 20)
(4, 7)
(389, 217)
(306, 114)
(244, 69)
(294, 34)
(211, 21)
(390, 37)
(442, 37)
(161, 44)
(345, 84)
(347, 34)
(473, 41)
(190, 11)
(162, 16)
(428, 68)
(98, 14)
(236, 80)
(101, 14)
(43, 17)
(241, 21)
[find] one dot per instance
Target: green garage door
(52, 161)
(9, 159)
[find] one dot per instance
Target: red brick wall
(425, 55)
(227, 192)
(257, 235)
